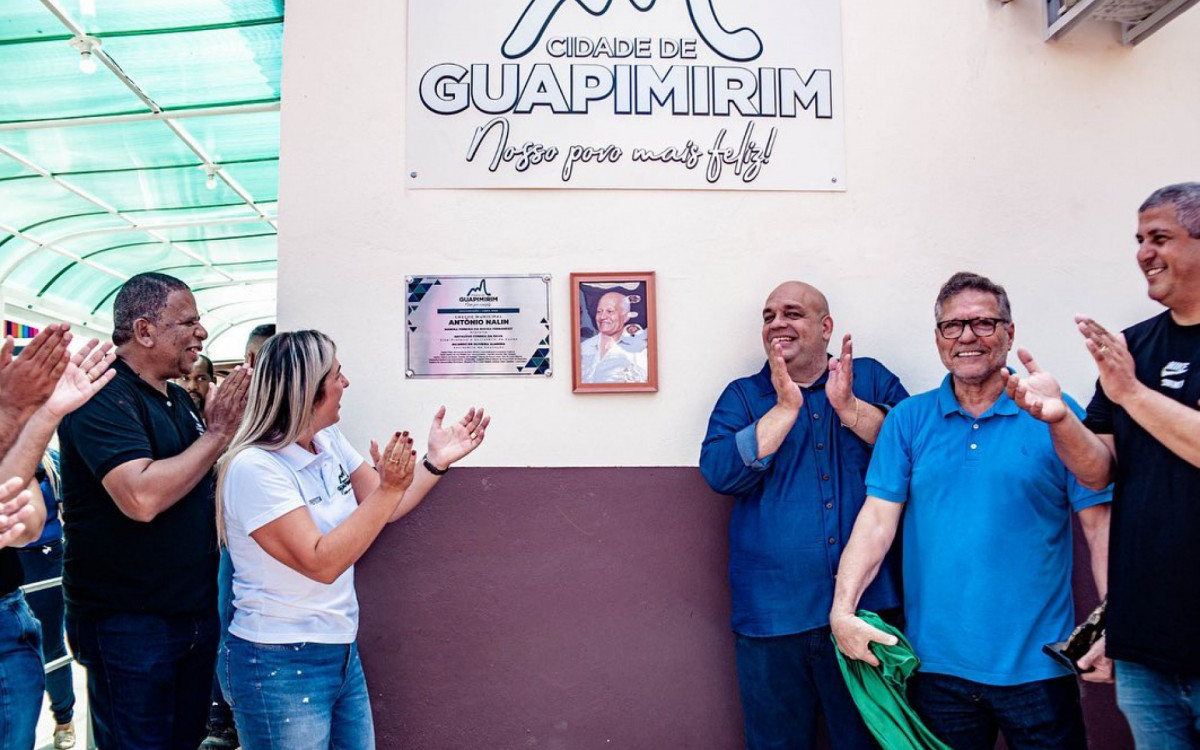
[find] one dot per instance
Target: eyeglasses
(953, 329)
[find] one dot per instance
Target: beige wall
(970, 144)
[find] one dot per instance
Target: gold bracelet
(857, 414)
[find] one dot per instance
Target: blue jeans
(1040, 715)
(40, 564)
(1163, 709)
(784, 682)
(297, 696)
(21, 676)
(219, 715)
(148, 677)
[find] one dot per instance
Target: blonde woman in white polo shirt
(297, 506)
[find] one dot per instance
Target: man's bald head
(612, 312)
(812, 296)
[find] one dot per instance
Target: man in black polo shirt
(1143, 432)
(140, 565)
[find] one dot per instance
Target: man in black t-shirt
(1143, 432)
(140, 561)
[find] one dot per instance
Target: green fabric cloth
(881, 692)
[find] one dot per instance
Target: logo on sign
(740, 44)
(479, 294)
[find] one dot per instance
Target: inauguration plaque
(464, 326)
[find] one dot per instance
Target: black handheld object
(1082, 638)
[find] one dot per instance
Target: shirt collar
(298, 458)
(1004, 406)
(121, 366)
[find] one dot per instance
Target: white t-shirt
(275, 604)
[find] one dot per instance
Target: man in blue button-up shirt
(792, 445)
(986, 504)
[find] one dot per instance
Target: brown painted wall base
(563, 609)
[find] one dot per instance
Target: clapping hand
(84, 375)
(16, 507)
(1038, 393)
(396, 463)
(226, 403)
(787, 393)
(450, 443)
(1118, 377)
(28, 380)
(839, 386)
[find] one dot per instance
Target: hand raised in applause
(395, 465)
(450, 443)
(16, 507)
(787, 393)
(839, 387)
(1037, 393)
(1118, 377)
(27, 380)
(86, 373)
(226, 403)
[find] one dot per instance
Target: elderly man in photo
(986, 505)
(614, 355)
(791, 445)
(1142, 432)
(140, 569)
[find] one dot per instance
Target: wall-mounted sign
(460, 326)
(656, 94)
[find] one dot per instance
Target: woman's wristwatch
(431, 468)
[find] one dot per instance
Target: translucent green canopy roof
(164, 158)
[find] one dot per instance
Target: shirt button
(975, 426)
(824, 477)
(974, 446)
(828, 506)
(816, 416)
(820, 446)
(832, 540)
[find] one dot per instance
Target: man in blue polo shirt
(987, 506)
(791, 445)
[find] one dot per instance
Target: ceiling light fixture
(210, 175)
(85, 46)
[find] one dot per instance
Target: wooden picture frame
(614, 333)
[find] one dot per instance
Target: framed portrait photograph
(613, 333)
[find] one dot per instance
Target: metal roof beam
(45, 173)
(179, 114)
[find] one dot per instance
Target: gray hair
(287, 384)
(965, 280)
(142, 297)
(1185, 196)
